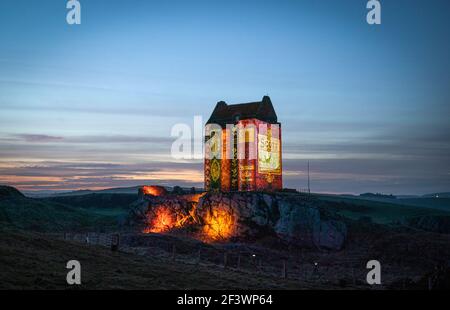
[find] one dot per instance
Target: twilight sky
(92, 106)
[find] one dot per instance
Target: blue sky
(92, 106)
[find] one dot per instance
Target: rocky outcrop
(168, 208)
(293, 218)
(298, 222)
(236, 216)
(152, 190)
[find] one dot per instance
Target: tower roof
(229, 113)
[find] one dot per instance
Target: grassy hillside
(428, 202)
(34, 261)
(442, 203)
(117, 190)
(52, 215)
(107, 204)
(102, 211)
(381, 212)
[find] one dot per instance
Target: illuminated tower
(243, 148)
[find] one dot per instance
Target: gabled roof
(228, 113)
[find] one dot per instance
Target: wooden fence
(235, 260)
(101, 239)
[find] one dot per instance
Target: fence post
(316, 274)
(353, 276)
(65, 236)
(225, 258)
(115, 242)
(404, 278)
(284, 270)
(199, 254)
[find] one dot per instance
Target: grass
(35, 261)
(45, 215)
(379, 211)
(30, 259)
(434, 203)
(96, 201)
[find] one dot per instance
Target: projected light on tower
(243, 148)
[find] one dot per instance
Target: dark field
(33, 253)
(35, 261)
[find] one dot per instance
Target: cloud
(389, 163)
(33, 138)
(41, 138)
(92, 148)
(327, 175)
(73, 175)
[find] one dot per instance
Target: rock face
(235, 216)
(167, 211)
(292, 218)
(249, 216)
(298, 223)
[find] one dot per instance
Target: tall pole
(309, 188)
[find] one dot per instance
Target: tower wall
(245, 159)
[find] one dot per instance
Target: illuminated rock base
(241, 217)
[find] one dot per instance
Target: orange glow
(195, 197)
(162, 221)
(219, 225)
(154, 190)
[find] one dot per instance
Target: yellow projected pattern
(269, 155)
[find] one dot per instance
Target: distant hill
(99, 201)
(438, 195)
(377, 195)
(118, 190)
(9, 192)
(386, 210)
(97, 212)
(426, 201)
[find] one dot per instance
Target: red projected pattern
(258, 156)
